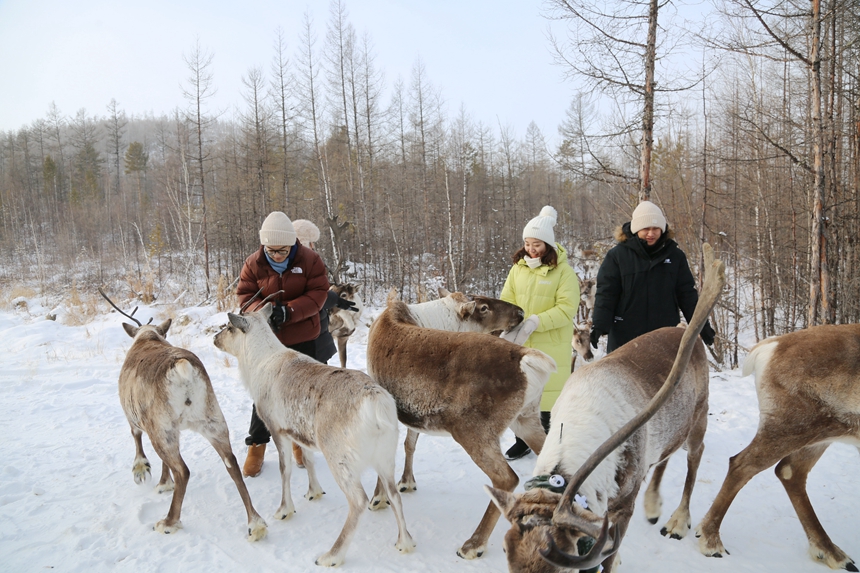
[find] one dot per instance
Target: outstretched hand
(520, 333)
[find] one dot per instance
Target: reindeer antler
(715, 278)
(259, 304)
(121, 311)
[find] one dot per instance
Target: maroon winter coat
(305, 287)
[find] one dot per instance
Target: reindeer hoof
(162, 527)
(142, 471)
(284, 514)
(257, 530)
(653, 521)
(329, 560)
(851, 567)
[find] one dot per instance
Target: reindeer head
(540, 541)
(491, 314)
(232, 338)
(160, 330)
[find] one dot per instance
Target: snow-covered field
(68, 501)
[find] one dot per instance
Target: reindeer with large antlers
(615, 419)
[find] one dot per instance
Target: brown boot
(297, 454)
(254, 461)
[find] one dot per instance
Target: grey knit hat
(647, 214)
(277, 230)
(306, 231)
(541, 226)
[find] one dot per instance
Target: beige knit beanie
(541, 226)
(306, 231)
(277, 230)
(647, 214)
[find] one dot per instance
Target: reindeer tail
(759, 357)
(537, 366)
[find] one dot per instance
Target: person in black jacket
(643, 282)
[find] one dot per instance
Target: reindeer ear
(392, 296)
(164, 327)
(443, 292)
(239, 322)
(130, 329)
(503, 499)
(466, 309)
(267, 310)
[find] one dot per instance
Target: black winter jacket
(638, 291)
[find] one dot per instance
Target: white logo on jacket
(296, 270)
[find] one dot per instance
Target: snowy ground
(68, 501)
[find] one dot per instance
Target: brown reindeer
(587, 294)
(342, 323)
(164, 390)
(470, 385)
(614, 420)
(808, 385)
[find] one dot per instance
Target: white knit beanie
(277, 230)
(647, 214)
(541, 226)
(306, 231)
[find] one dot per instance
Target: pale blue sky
(491, 56)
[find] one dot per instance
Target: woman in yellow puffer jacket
(544, 285)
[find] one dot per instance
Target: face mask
(532, 263)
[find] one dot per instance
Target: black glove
(595, 336)
(707, 334)
(345, 304)
(280, 315)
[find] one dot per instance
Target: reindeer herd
(440, 368)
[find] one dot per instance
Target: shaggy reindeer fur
(342, 323)
(808, 385)
(340, 412)
(164, 390)
(469, 385)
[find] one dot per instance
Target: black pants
(257, 431)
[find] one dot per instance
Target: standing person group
(283, 263)
(543, 284)
(643, 282)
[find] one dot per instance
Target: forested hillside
(758, 154)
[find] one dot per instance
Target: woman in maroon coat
(282, 263)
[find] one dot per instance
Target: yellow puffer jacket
(552, 293)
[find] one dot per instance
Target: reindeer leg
(285, 462)
(166, 446)
(766, 448)
(315, 490)
(341, 349)
(484, 451)
(350, 482)
(679, 524)
(140, 467)
(407, 480)
(528, 427)
(219, 437)
(381, 499)
(385, 471)
(792, 472)
(653, 500)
